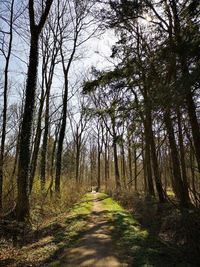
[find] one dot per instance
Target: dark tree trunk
(36, 143)
(106, 161)
(3, 133)
(150, 186)
(78, 140)
(48, 73)
(60, 141)
(182, 154)
(64, 109)
(44, 143)
(77, 162)
(154, 157)
(24, 152)
(123, 166)
(194, 125)
(179, 186)
(117, 176)
(135, 169)
(185, 73)
(98, 170)
(22, 207)
(130, 161)
(144, 167)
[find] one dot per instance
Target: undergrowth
(50, 239)
(140, 247)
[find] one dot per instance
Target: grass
(51, 239)
(138, 246)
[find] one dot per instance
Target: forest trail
(95, 248)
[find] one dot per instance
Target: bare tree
(22, 207)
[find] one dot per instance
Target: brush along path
(95, 248)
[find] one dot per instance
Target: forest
(99, 133)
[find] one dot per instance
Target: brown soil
(95, 248)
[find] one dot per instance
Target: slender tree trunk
(117, 176)
(144, 167)
(78, 152)
(44, 143)
(123, 166)
(130, 161)
(182, 154)
(64, 110)
(135, 170)
(98, 169)
(191, 108)
(61, 139)
(194, 125)
(193, 182)
(180, 191)
(36, 143)
(116, 166)
(154, 157)
(150, 187)
(3, 134)
(106, 162)
(53, 159)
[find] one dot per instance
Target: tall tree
(22, 207)
(5, 96)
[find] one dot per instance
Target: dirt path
(95, 248)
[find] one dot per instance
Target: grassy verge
(138, 246)
(51, 239)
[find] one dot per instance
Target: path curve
(95, 248)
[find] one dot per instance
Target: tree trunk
(194, 125)
(150, 186)
(154, 157)
(106, 162)
(180, 192)
(123, 166)
(61, 139)
(117, 176)
(130, 161)
(135, 169)
(78, 153)
(3, 133)
(22, 207)
(36, 143)
(182, 154)
(44, 143)
(24, 151)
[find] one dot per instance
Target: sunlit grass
(140, 247)
(53, 236)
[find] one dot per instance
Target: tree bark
(179, 186)
(150, 186)
(3, 134)
(116, 166)
(22, 207)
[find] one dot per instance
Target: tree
(71, 33)
(22, 207)
(7, 55)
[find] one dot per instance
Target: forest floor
(96, 232)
